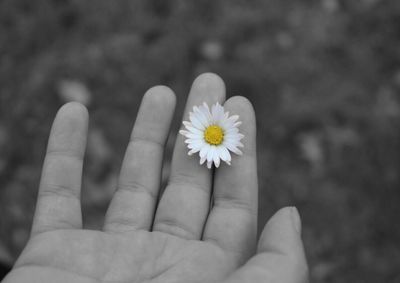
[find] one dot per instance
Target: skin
(181, 237)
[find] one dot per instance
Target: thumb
(280, 254)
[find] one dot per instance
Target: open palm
(203, 228)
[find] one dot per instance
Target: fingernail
(296, 219)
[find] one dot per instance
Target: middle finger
(184, 206)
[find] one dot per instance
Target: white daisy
(212, 134)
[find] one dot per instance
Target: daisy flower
(213, 134)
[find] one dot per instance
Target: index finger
(184, 206)
(58, 205)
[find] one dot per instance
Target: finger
(133, 204)
(184, 205)
(232, 223)
(280, 255)
(58, 205)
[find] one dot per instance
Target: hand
(181, 238)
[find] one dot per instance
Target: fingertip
(160, 95)
(282, 233)
(296, 219)
(155, 114)
(209, 87)
(240, 105)
(69, 128)
(158, 104)
(209, 80)
(73, 110)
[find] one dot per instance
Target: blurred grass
(324, 77)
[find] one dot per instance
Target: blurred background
(323, 75)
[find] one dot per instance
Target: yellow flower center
(214, 135)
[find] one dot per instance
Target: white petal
(209, 164)
(230, 140)
(213, 111)
(233, 144)
(205, 105)
(195, 121)
(217, 112)
(216, 159)
(221, 112)
(230, 122)
(189, 141)
(237, 151)
(196, 145)
(206, 112)
(233, 148)
(210, 154)
(224, 154)
(183, 132)
(204, 151)
(192, 151)
(233, 137)
(233, 118)
(194, 136)
(201, 116)
(221, 152)
(226, 124)
(231, 130)
(195, 131)
(202, 160)
(233, 140)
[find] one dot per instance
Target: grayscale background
(324, 77)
